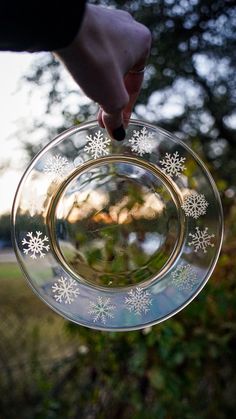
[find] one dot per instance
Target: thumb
(113, 122)
(112, 114)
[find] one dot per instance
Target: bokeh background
(185, 367)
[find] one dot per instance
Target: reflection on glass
(116, 232)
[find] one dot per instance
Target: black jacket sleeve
(41, 25)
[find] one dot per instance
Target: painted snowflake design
(184, 278)
(138, 301)
(142, 141)
(102, 309)
(35, 244)
(56, 166)
(195, 205)
(65, 290)
(201, 239)
(173, 164)
(97, 145)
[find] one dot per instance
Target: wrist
(69, 48)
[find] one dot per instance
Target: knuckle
(146, 38)
(126, 14)
(115, 107)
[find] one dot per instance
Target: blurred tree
(190, 83)
(5, 231)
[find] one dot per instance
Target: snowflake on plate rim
(195, 205)
(102, 309)
(36, 244)
(65, 290)
(97, 145)
(138, 301)
(184, 277)
(201, 239)
(173, 164)
(142, 141)
(56, 167)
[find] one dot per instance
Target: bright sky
(16, 106)
(13, 107)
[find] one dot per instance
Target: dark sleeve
(39, 25)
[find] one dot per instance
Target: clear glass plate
(117, 235)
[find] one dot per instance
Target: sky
(19, 110)
(14, 106)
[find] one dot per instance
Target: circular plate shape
(117, 235)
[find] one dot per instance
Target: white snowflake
(173, 164)
(184, 278)
(65, 290)
(57, 167)
(138, 301)
(201, 239)
(142, 141)
(102, 309)
(97, 145)
(195, 205)
(36, 244)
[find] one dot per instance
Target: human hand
(105, 59)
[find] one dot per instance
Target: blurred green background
(185, 367)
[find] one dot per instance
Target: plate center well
(115, 222)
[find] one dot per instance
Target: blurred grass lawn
(16, 293)
(23, 310)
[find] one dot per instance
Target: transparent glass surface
(117, 235)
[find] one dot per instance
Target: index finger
(133, 83)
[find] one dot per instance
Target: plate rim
(58, 138)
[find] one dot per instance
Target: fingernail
(119, 133)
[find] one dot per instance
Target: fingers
(121, 53)
(132, 83)
(99, 118)
(110, 115)
(114, 125)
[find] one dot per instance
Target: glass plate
(117, 235)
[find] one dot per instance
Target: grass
(16, 293)
(10, 271)
(23, 315)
